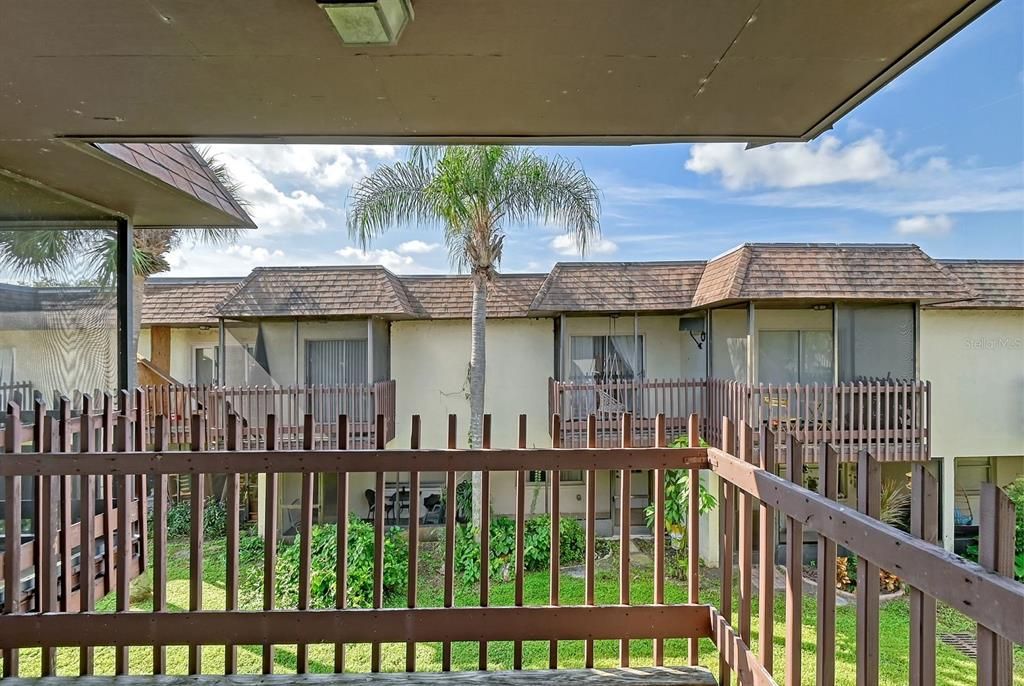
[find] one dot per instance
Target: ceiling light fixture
(377, 22)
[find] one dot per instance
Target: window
(239, 366)
(794, 357)
(607, 358)
(206, 364)
(338, 362)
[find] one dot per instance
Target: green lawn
(953, 667)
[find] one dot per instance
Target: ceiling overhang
(530, 71)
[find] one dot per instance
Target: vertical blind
(336, 362)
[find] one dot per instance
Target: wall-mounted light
(695, 327)
(377, 22)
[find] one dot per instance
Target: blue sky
(936, 158)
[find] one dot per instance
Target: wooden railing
(76, 509)
(289, 404)
(18, 392)
(750, 488)
(888, 418)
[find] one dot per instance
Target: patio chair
(371, 502)
(433, 510)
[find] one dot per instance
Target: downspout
(295, 340)
(221, 354)
(835, 343)
(369, 351)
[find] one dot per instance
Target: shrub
(215, 519)
(677, 494)
(536, 546)
(250, 549)
(324, 559)
(1015, 490)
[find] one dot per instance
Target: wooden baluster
(124, 536)
(108, 497)
(378, 542)
(825, 655)
(160, 440)
(232, 440)
(924, 525)
(270, 541)
(693, 531)
(659, 535)
(995, 553)
(414, 535)
(746, 537)
(62, 443)
(140, 435)
(195, 572)
(591, 533)
(727, 515)
(48, 548)
(341, 570)
(869, 489)
(485, 536)
(87, 529)
(521, 478)
(625, 501)
(305, 535)
(451, 487)
(766, 549)
(554, 492)
(794, 569)
(12, 522)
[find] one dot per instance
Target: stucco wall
(430, 363)
(975, 361)
(671, 353)
(729, 344)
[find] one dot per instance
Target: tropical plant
(89, 258)
(475, 193)
(502, 546)
(894, 504)
(677, 494)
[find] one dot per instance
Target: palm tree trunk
(477, 371)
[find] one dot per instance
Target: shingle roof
(317, 292)
(179, 165)
(619, 286)
(184, 302)
(999, 284)
(451, 297)
(759, 271)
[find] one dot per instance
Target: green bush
(536, 546)
(215, 519)
(323, 580)
(677, 494)
(1015, 490)
(250, 549)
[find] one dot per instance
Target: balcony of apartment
(46, 619)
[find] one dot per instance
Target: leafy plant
(677, 494)
(324, 560)
(536, 546)
(1015, 491)
(894, 504)
(215, 519)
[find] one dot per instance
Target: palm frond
(396, 194)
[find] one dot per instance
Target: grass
(952, 666)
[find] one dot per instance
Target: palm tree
(67, 257)
(473, 194)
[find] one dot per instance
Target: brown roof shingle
(765, 271)
(451, 297)
(619, 286)
(185, 302)
(317, 292)
(179, 165)
(999, 284)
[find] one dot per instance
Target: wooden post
(924, 525)
(659, 535)
(727, 515)
(995, 553)
(625, 501)
(270, 541)
(869, 490)
(746, 537)
(414, 538)
(828, 486)
(160, 440)
(12, 523)
(766, 569)
(693, 532)
(794, 569)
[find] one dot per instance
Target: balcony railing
(889, 418)
(361, 403)
(751, 494)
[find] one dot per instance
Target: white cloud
(387, 258)
(272, 209)
(415, 247)
(565, 245)
(324, 166)
(922, 224)
(231, 260)
(793, 165)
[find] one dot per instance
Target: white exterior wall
(975, 361)
(728, 341)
